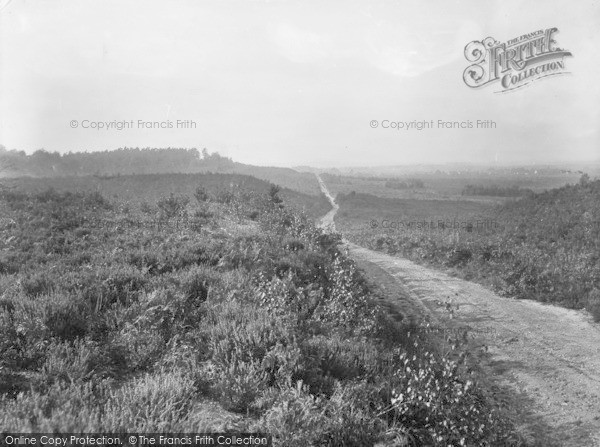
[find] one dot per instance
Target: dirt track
(548, 356)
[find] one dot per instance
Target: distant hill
(136, 161)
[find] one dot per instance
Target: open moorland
(545, 354)
(210, 301)
(543, 246)
(220, 309)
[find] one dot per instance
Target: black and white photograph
(361, 223)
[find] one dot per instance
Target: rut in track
(547, 355)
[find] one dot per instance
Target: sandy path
(548, 355)
(327, 220)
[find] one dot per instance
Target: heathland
(142, 291)
(212, 302)
(544, 246)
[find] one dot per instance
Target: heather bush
(60, 408)
(62, 315)
(141, 347)
(36, 284)
(154, 402)
(78, 361)
(296, 419)
(196, 282)
(350, 416)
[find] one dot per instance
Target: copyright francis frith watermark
(515, 63)
(132, 124)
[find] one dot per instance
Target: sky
(292, 83)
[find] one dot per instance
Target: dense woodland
(121, 161)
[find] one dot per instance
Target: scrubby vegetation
(135, 189)
(222, 309)
(130, 161)
(495, 190)
(544, 247)
(392, 183)
(484, 185)
(408, 184)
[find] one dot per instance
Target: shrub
(146, 208)
(201, 195)
(296, 419)
(293, 244)
(239, 383)
(459, 257)
(203, 214)
(350, 417)
(60, 408)
(339, 359)
(9, 264)
(225, 197)
(196, 282)
(64, 316)
(78, 361)
(36, 284)
(593, 305)
(274, 194)
(437, 405)
(172, 206)
(245, 346)
(144, 260)
(9, 352)
(140, 346)
(119, 285)
(153, 403)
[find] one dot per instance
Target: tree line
(126, 160)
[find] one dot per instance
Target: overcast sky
(290, 82)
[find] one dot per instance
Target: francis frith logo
(516, 62)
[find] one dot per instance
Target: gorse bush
(150, 328)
